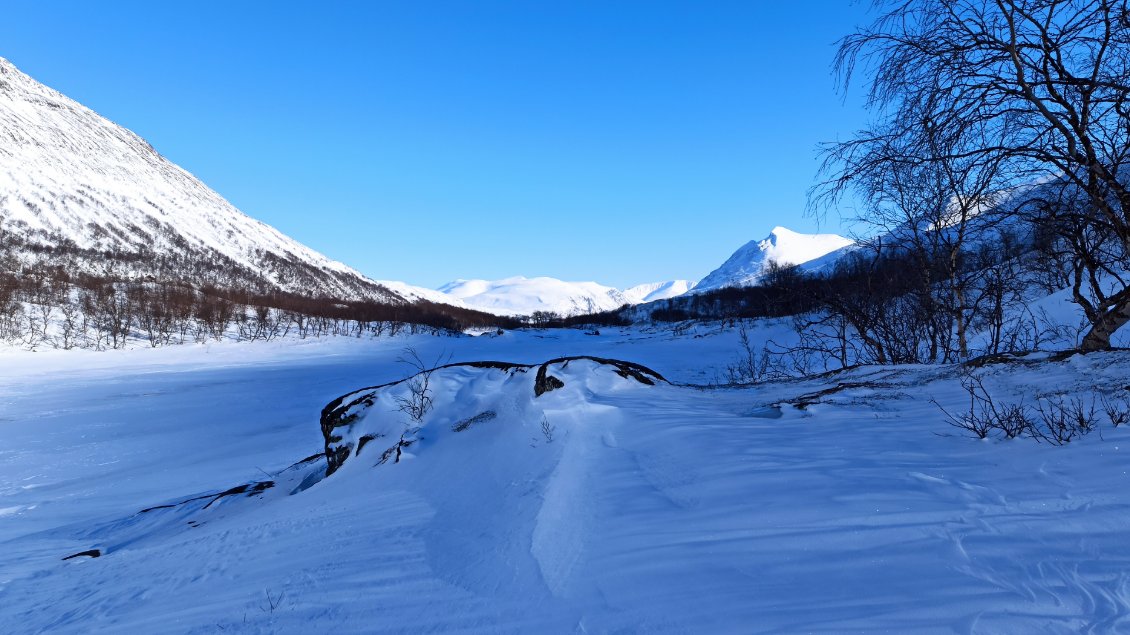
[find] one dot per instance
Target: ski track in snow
(653, 509)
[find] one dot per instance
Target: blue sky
(621, 142)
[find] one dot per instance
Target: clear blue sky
(615, 141)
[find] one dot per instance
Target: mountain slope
(77, 184)
(522, 296)
(653, 291)
(783, 247)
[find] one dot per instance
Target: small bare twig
(273, 602)
(418, 402)
(547, 429)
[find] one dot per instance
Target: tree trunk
(1098, 338)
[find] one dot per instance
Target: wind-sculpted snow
(833, 504)
(452, 398)
(72, 180)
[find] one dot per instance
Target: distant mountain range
(522, 296)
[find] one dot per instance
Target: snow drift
(453, 398)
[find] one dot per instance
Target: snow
(783, 247)
(842, 503)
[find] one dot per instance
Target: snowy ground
(654, 509)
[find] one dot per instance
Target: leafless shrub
(985, 414)
(1013, 421)
(69, 326)
(751, 366)
(418, 402)
(1117, 408)
(547, 429)
(1065, 419)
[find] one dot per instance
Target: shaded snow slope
(783, 247)
(69, 177)
(837, 504)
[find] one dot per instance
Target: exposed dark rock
(310, 459)
(343, 412)
(545, 382)
(251, 489)
(363, 441)
(89, 553)
(479, 418)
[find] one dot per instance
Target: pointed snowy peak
(783, 246)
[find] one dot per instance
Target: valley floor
(841, 504)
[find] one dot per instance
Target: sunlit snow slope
(657, 291)
(782, 247)
(70, 178)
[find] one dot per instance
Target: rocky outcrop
(459, 395)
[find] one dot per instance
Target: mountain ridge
(750, 262)
(81, 192)
(519, 295)
(76, 183)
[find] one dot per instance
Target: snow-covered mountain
(85, 188)
(783, 247)
(79, 191)
(522, 296)
(652, 291)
